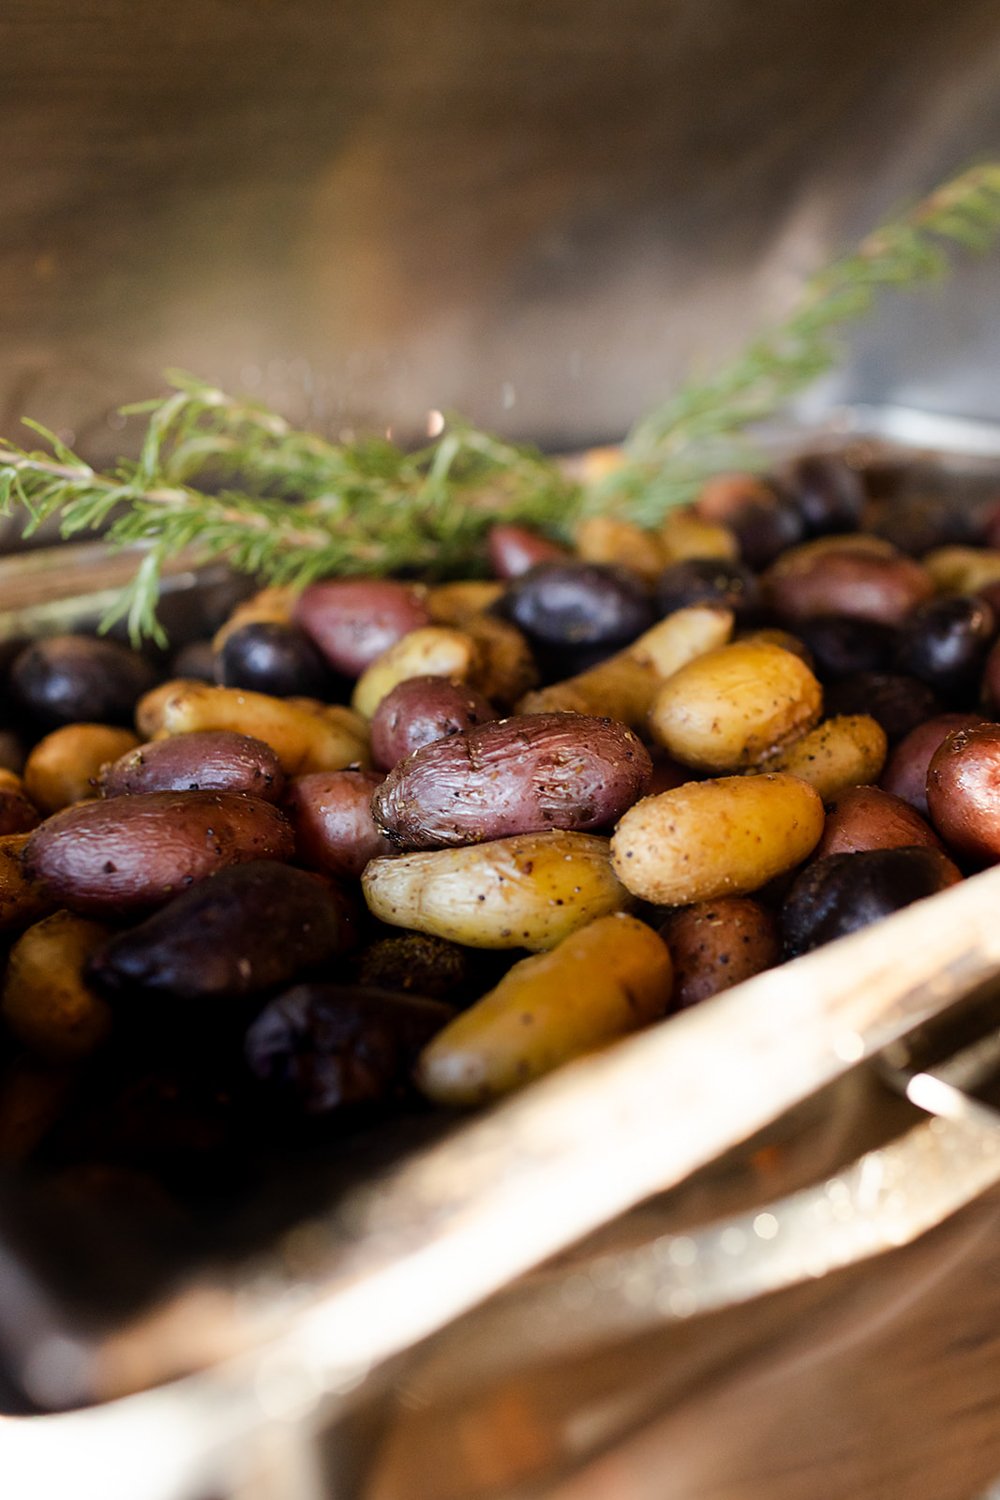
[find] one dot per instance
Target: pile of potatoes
(380, 843)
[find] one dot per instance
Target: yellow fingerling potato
(505, 668)
(21, 900)
(685, 534)
(606, 539)
(716, 838)
(625, 686)
(63, 767)
(849, 750)
(963, 570)
(46, 1003)
(734, 707)
(431, 651)
(454, 603)
(524, 892)
(306, 736)
(149, 709)
(602, 982)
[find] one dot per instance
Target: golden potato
(524, 892)
(46, 1002)
(963, 570)
(306, 736)
(609, 978)
(63, 768)
(686, 534)
(454, 603)
(846, 751)
(716, 838)
(624, 686)
(607, 539)
(733, 707)
(22, 900)
(431, 651)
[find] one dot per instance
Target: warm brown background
(538, 211)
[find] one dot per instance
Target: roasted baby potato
(47, 1002)
(846, 751)
(607, 979)
(65, 767)
(716, 944)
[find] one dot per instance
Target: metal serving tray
(498, 1307)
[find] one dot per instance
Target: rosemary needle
(233, 480)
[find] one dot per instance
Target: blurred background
(541, 215)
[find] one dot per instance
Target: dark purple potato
(252, 927)
(991, 680)
(916, 524)
(846, 892)
(512, 550)
(421, 710)
(827, 492)
(897, 702)
(905, 773)
(67, 679)
(195, 662)
(209, 760)
(578, 604)
(762, 519)
(268, 657)
(842, 645)
(945, 643)
(321, 1048)
(708, 580)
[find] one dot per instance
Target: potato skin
(22, 900)
(433, 651)
(65, 766)
(848, 581)
(707, 839)
(18, 813)
(47, 1002)
(128, 854)
(846, 892)
(865, 817)
(624, 686)
(521, 775)
(905, 774)
(848, 750)
(209, 760)
(331, 812)
(716, 944)
(250, 928)
(421, 710)
(732, 708)
(963, 791)
(353, 620)
(610, 978)
(527, 892)
(306, 735)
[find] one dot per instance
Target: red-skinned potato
(865, 817)
(207, 760)
(848, 581)
(527, 774)
(331, 812)
(512, 550)
(421, 710)
(716, 944)
(905, 774)
(129, 854)
(963, 792)
(353, 620)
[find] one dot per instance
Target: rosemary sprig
(670, 451)
(231, 479)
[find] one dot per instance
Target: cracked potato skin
(707, 839)
(521, 775)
